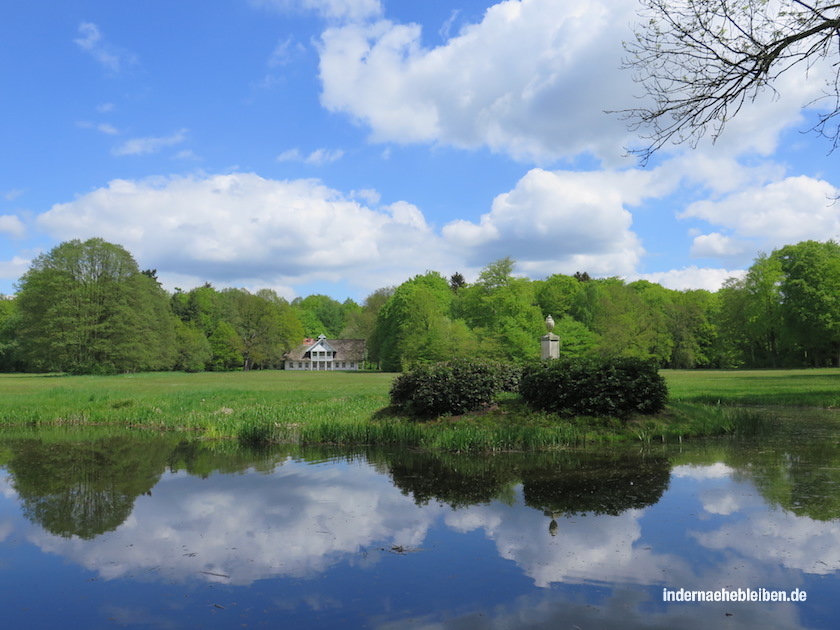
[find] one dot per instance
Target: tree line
(86, 307)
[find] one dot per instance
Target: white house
(327, 354)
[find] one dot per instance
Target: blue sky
(338, 146)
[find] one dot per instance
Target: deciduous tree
(86, 307)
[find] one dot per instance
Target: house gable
(327, 354)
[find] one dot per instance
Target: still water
(118, 532)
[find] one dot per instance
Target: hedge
(611, 387)
(451, 387)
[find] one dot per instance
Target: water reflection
(183, 533)
(84, 489)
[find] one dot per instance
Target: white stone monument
(550, 343)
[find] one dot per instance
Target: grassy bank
(350, 408)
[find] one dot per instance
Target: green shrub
(452, 387)
(614, 387)
(508, 376)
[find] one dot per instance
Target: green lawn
(192, 401)
(800, 388)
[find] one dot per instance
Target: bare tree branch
(700, 61)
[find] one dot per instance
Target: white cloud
(586, 548)
(186, 154)
(718, 470)
(558, 222)
(290, 155)
(105, 128)
(244, 229)
(13, 268)
(781, 538)
(786, 211)
(91, 41)
(757, 126)
(284, 52)
(514, 82)
(532, 79)
(318, 157)
(11, 225)
(722, 501)
(716, 245)
(710, 279)
(324, 156)
(142, 146)
(332, 9)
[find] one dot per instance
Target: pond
(112, 531)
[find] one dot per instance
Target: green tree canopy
(810, 303)
(266, 325)
(411, 325)
(321, 314)
(85, 307)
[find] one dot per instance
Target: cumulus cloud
(786, 211)
(716, 245)
(143, 146)
(241, 228)
(246, 230)
(11, 225)
(516, 82)
(512, 82)
(110, 57)
(558, 222)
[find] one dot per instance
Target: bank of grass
(352, 408)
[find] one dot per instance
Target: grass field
(794, 388)
(348, 407)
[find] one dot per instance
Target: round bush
(452, 387)
(614, 387)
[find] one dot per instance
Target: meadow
(352, 408)
(769, 388)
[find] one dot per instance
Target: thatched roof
(345, 350)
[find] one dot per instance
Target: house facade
(327, 354)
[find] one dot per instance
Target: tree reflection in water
(566, 483)
(87, 488)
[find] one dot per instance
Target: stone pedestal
(550, 346)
